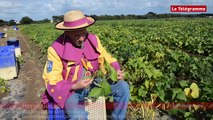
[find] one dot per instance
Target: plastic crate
(55, 113)
(7, 59)
(2, 34)
(97, 109)
(7, 48)
(8, 66)
(15, 27)
(16, 44)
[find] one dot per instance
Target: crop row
(161, 58)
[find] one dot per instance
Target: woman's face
(77, 37)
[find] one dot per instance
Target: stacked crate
(15, 27)
(2, 35)
(8, 64)
(16, 44)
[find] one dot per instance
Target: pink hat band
(77, 22)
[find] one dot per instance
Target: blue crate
(7, 48)
(7, 56)
(1, 34)
(16, 44)
(15, 27)
(55, 113)
(7, 59)
(13, 43)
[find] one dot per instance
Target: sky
(42, 9)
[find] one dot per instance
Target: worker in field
(72, 55)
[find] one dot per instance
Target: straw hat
(74, 20)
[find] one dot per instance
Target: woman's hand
(82, 83)
(120, 74)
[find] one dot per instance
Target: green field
(161, 58)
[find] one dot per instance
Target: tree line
(149, 15)
(24, 20)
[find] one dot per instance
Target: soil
(22, 102)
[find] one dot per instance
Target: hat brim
(60, 25)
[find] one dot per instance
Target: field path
(23, 102)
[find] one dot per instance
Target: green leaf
(175, 92)
(159, 55)
(96, 92)
(133, 98)
(107, 65)
(161, 95)
(207, 89)
(194, 67)
(148, 72)
(183, 83)
(181, 96)
(156, 73)
(100, 74)
(2, 90)
(147, 84)
(187, 114)
(112, 72)
(200, 51)
(113, 75)
(142, 92)
(106, 87)
(174, 95)
(131, 87)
